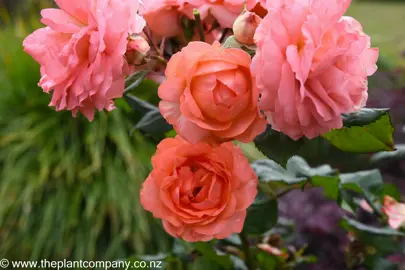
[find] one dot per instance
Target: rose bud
(137, 49)
(245, 26)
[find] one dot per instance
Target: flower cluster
(310, 66)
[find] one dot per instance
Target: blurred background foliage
(70, 188)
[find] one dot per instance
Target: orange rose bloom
(210, 94)
(199, 191)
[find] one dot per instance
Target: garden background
(69, 189)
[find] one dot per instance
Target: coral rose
(199, 191)
(224, 11)
(81, 52)
(210, 94)
(395, 212)
(311, 65)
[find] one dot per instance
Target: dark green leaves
(369, 130)
(140, 105)
(336, 186)
(274, 177)
(211, 255)
(262, 215)
(133, 81)
(152, 121)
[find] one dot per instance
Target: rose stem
(250, 262)
(197, 17)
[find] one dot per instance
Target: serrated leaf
(369, 130)
(262, 215)
(351, 223)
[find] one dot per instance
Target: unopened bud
(137, 49)
(245, 26)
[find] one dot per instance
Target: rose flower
(311, 65)
(210, 94)
(199, 191)
(81, 52)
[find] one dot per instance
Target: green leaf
(280, 148)
(262, 215)
(369, 130)
(272, 176)
(368, 183)
(348, 223)
(392, 191)
(268, 261)
(330, 185)
(378, 263)
(204, 263)
(140, 105)
(298, 166)
(133, 81)
(269, 171)
(153, 122)
(277, 146)
(389, 156)
(231, 42)
(208, 252)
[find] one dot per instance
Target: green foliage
(69, 188)
(280, 148)
(369, 130)
(262, 215)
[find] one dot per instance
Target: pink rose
(199, 191)
(163, 17)
(395, 212)
(210, 94)
(224, 11)
(311, 65)
(81, 52)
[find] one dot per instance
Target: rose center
(196, 190)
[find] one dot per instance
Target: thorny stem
(200, 27)
(250, 261)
